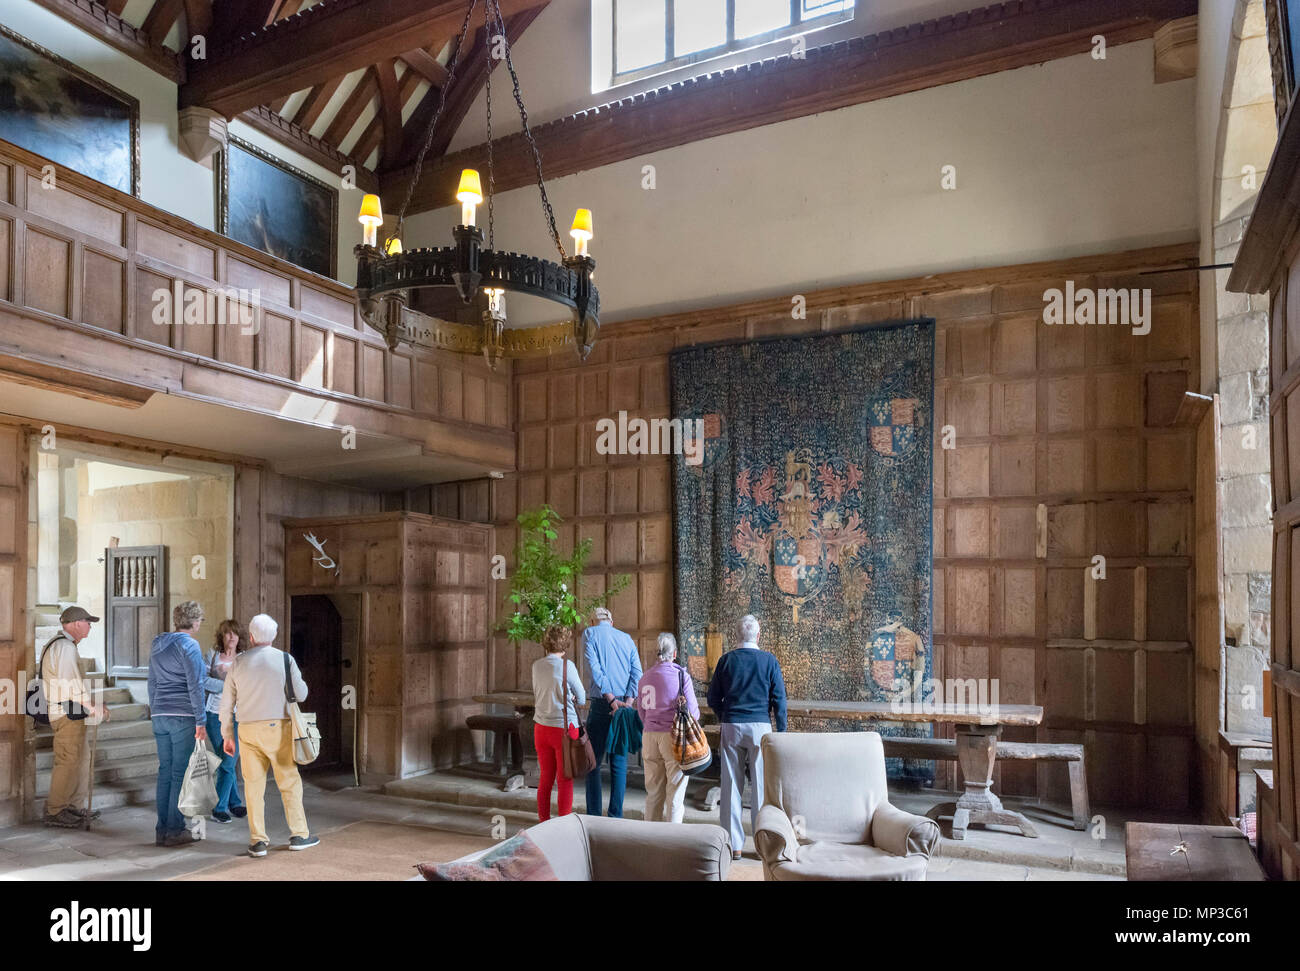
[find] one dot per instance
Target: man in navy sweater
(748, 695)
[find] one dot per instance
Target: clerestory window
(655, 36)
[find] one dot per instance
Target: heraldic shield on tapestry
(811, 510)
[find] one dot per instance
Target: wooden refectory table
(977, 730)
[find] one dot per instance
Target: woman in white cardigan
(554, 715)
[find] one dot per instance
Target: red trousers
(550, 755)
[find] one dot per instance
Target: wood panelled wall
(91, 261)
(423, 646)
(1066, 448)
(15, 653)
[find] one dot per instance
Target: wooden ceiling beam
(198, 17)
(366, 89)
(161, 18)
(318, 150)
(116, 7)
(471, 74)
(426, 63)
(309, 111)
(101, 22)
(378, 128)
(319, 43)
(390, 106)
(956, 48)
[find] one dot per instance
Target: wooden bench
(946, 749)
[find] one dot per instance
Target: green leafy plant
(544, 582)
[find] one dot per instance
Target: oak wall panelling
(16, 653)
(423, 587)
(1066, 448)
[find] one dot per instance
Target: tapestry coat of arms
(811, 510)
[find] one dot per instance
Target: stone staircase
(126, 758)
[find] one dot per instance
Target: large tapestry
(809, 506)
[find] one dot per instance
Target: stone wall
(1247, 135)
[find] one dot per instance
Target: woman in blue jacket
(177, 676)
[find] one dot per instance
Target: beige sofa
(602, 848)
(826, 812)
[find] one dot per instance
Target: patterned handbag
(690, 746)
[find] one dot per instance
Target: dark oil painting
(279, 210)
(52, 108)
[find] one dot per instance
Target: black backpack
(35, 704)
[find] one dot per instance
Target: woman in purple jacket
(657, 693)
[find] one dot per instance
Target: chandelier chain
(492, 178)
(433, 125)
(528, 133)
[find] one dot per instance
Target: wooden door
(135, 607)
(316, 643)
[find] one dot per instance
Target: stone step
(114, 697)
(131, 773)
(112, 795)
(111, 730)
(109, 751)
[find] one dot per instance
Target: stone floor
(120, 845)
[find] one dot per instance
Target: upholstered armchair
(826, 812)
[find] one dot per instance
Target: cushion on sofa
(518, 858)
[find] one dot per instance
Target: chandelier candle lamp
(402, 292)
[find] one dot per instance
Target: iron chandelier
(407, 294)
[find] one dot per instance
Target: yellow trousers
(264, 744)
(71, 775)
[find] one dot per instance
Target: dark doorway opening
(316, 643)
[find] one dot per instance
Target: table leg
(977, 753)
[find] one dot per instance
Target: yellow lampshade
(394, 247)
(582, 225)
(371, 213)
(471, 189)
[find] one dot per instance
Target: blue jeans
(174, 735)
(227, 790)
(598, 730)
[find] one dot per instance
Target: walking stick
(90, 789)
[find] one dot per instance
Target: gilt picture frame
(274, 207)
(55, 109)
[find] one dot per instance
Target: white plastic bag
(199, 787)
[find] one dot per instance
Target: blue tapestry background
(811, 510)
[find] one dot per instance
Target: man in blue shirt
(614, 666)
(748, 694)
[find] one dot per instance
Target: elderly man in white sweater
(256, 686)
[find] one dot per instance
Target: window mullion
(796, 12)
(731, 22)
(670, 49)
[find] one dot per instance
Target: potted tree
(543, 587)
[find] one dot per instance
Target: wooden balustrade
(106, 296)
